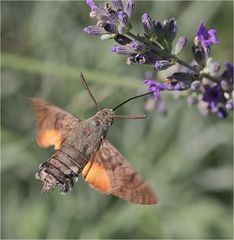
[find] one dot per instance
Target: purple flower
(157, 87)
(207, 37)
(212, 95)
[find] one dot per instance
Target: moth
(81, 148)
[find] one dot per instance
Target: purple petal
(207, 37)
(213, 38)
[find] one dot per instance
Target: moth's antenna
(129, 99)
(87, 88)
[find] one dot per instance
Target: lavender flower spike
(207, 37)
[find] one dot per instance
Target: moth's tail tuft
(50, 177)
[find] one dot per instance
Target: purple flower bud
(170, 29)
(195, 85)
(129, 6)
(122, 39)
(221, 113)
(122, 50)
(123, 18)
(147, 24)
(137, 46)
(162, 65)
(155, 87)
(224, 85)
(229, 105)
(181, 86)
(214, 67)
(181, 43)
(206, 37)
(117, 5)
(159, 31)
(95, 31)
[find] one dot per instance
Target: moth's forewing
(53, 123)
(111, 173)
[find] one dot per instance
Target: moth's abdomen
(61, 169)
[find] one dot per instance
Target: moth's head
(106, 115)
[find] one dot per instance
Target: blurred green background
(187, 158)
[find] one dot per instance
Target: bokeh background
(187, 158)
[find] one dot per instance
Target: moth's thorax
(105, 115)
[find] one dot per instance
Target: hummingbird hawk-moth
(81, 147)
